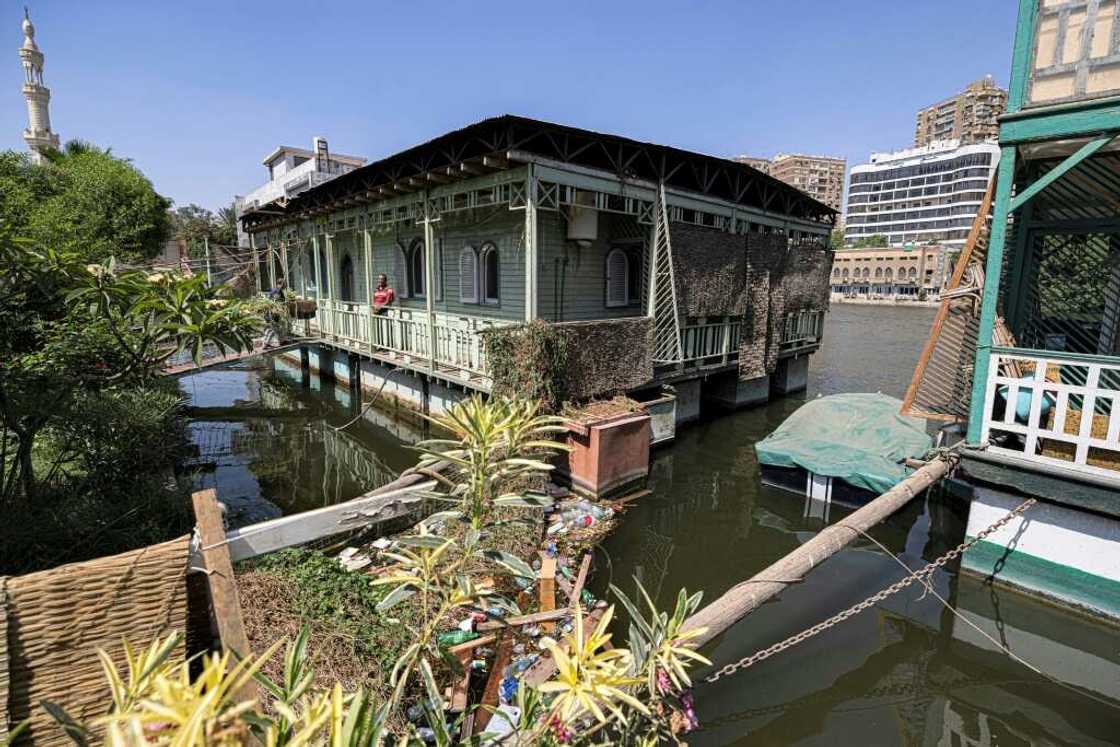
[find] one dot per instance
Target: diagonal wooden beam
(1059, 171)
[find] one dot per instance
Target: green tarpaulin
(859, 438)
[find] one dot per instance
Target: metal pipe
(745, 597)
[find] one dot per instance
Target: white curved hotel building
(920, 195)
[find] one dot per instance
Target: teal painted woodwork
(1066, 120)
(1061, 582)
(1059, 171)
(1021, 55)
(991, 289)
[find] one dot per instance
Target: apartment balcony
(1055, 410)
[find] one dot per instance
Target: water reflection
(907, 672)
(266, 438)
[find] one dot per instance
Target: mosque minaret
(38, 133)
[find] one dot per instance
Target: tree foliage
(195, 225)
(83, 200)
(69, 329)
(871, 242)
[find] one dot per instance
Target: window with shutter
(617, 277)
(490, 275)
(468, 275)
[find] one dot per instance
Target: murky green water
(906, 672)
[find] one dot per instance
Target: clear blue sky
(196, 93)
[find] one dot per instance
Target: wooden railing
(1054, 408)
(710, 343)
(404, 334)
(802, 328)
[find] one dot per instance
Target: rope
(365, 408)
(921, 575)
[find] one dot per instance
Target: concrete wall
(790, 375)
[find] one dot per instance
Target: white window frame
(489, 249)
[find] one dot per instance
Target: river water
(907, 672)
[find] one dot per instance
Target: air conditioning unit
(583, 219)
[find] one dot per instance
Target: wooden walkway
(208, 363)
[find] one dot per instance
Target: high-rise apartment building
(821, 177)
(762, 164)
(970, 116)
(920, 195)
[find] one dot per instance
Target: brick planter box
(609, 454)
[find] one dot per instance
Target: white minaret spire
(38, 134)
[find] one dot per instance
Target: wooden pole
(219, 573)
(743, 598)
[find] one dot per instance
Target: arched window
(878, 272)
(888, 275)
(846, 273)
(346, 279)
(913, 272)
(416, 269)
(618, 278)
(490, 276)
(468, 275)
(866, 273)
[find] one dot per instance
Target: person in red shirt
(383, 295)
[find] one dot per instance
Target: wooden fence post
(219, 572)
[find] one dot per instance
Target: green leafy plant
(494, 443)
(529, 361)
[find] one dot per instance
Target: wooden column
(429, 282)
(367, 257)
(219, 572)
(531, 244)
(318, 282)
(1004, 182)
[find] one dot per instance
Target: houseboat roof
(508, 138)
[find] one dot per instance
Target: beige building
(762, 164)
(821, 177)
(969, 117)
(907, 273)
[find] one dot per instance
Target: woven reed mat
(57, 619)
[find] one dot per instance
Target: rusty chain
(920, 575)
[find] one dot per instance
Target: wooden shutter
(468, 275)
(616, 278)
